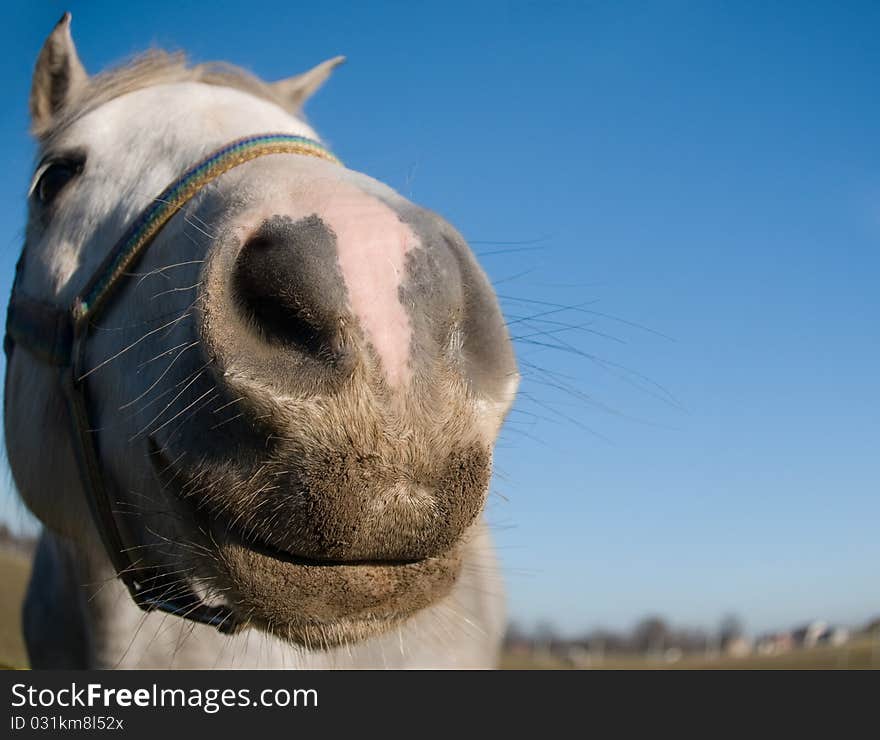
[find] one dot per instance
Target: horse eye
(55, 177)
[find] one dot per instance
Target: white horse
(255, 410)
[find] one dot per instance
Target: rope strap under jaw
(58, 337)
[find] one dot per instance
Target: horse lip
(228, 531)
(222, 531)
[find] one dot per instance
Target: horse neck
(77, 614)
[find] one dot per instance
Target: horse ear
(296, 90)
(58, 76)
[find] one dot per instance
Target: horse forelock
(156, 67)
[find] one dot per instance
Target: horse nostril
(285, 279)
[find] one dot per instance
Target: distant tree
(515, 635)
(607, 641)
(650, 634)
(690, 640)
(730, 629)
(546, 634)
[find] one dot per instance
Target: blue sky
(702, 180)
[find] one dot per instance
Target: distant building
(775, 643)
(834, 636)
(738, 647)
(819, 633)
(808, 635)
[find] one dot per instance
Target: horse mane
(157, 67)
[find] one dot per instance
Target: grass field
(857, 654)
(14, 570)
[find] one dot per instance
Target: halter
(58, 337)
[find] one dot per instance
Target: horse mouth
(222, 529)
(313, 602)
(324, 603)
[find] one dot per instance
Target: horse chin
(321, 605)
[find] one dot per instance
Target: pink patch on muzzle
(372, 244)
